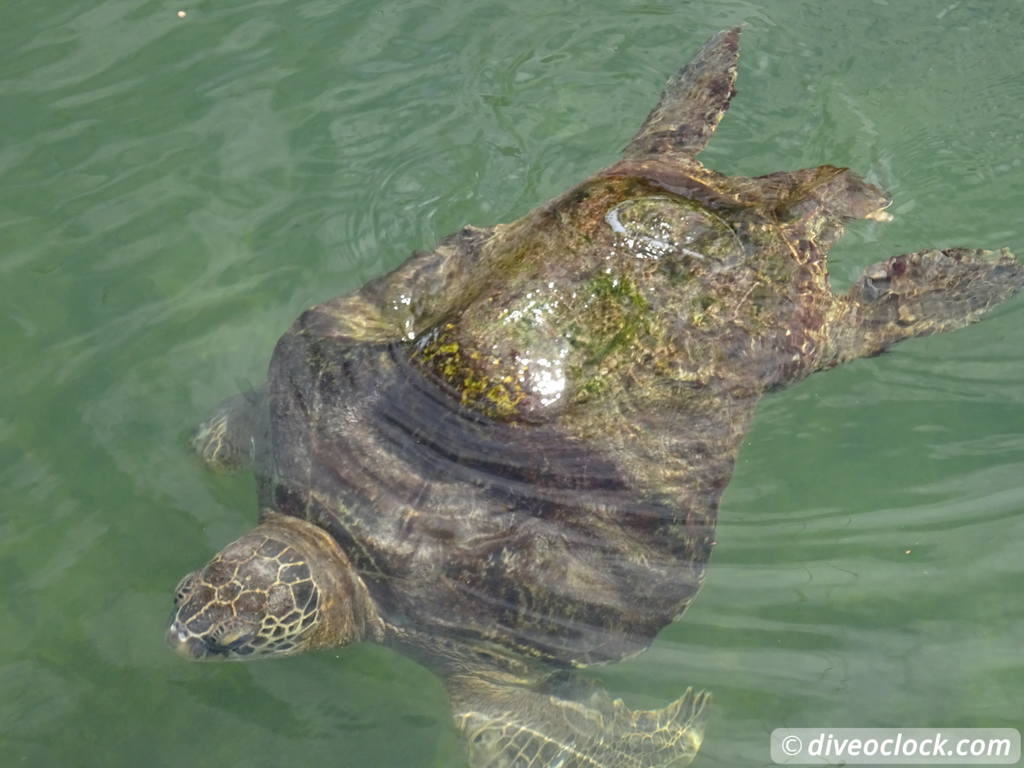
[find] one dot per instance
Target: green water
(173, 191)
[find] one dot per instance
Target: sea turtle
(505, 457)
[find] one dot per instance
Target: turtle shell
(540, 467)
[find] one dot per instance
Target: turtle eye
(184, 588)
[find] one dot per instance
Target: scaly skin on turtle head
(283, 588)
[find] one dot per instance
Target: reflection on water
(178, 190)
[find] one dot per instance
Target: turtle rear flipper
(227, 441)
(693, 102)
(919, 294)
(509, 726)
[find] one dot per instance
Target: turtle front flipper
(509, 726)
(394, 307)
(693, 102)
(919, 294)
(227, 441)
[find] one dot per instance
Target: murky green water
(173, 191)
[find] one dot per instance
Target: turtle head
(283, 588)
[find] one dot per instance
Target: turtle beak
(185, 645)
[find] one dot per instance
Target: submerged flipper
(919, 294)
(508, 726)
(693, 102)
(227, 440)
